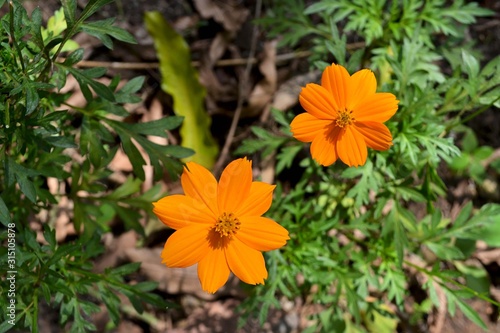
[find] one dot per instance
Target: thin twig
(242, 88)
(154, 65)
(220, 63)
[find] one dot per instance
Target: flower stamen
(227, 225)
(345, 118)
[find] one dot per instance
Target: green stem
(34, 325)
(481, 110)
(455, 283)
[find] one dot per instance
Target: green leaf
(469, 141)
(395, 233)
(483, 152)
(134, 156)
(26, 187)
(156, 152)
(101, 29)
(464, 214)
(470, 313)
(85, 79)
(56, 25)
(286, 156)
(460, 162)
(267, 142)
(378, 323)
(32, 98)
(69, 7)
(66, 249)
(471, 64)
(473, 228)
(126, 269)
(50, 235)
(477, 277)
(130, 186)
(125, 94)
(490, 234)
(146, 286)
(4, 213)
(180, 80)
(36, 26)
(6, 326)
(92, 7)
(74, 57)
(112, 303)
(410, 194)
(61, 141)
(445, 252)
(157, 127)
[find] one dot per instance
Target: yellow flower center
(227, 225)
(345, 118)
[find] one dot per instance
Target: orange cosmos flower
(219, 225)
(344, 116)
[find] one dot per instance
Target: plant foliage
(358, 235)
(43, 138)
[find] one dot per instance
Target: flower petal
(306, 126)
(335, 79)
(199, 183)
(258, 200)
(351, 147)
(323, 148)
(378, 107)
(178, 211)
(234, 185)
(318, 101)
(186, 246)
(377, 135)
(213, 270)
(261, 233)
(246, 263)
(362, 84)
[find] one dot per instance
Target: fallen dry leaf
(264, 90)
(288, 93)
(177, 280)
(155, 112)
(221, 87)
(115, 250)
(228, 13)
(489, 256)
(218, 47)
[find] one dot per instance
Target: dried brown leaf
(115, 250)
(176, 280)
(264, 90)
(228, 13)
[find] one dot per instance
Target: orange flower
(219, 225)
(344, 116)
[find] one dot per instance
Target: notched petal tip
(213, 271)
(246, 263)
(377, 136)
(262, 233)
(258, 201)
